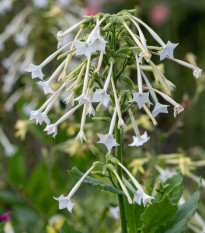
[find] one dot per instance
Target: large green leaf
(134, 212)
(185, 211)
(173, 187)
(76, 175)
(158, 214)
(67, 228)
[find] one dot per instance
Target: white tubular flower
(140, 194)
(46, 84)
(139, 140)
(37, 70)
(144, 52)
(9, 149)
(65, 202)
(165, 174)
(100, 95)
(39, 117)
(83, 99)
(81, 134)
(123, 187)
(51, 129)
(90, 109)
(159, 108)
(177, 107)
(121, 123)
(61, 35)
(46, 87)
(108, 139)
(196, 70)
(40, 3)
(168, 48)
(140, 98)
(94, 43)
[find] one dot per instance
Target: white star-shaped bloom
(39, 117)
(141, 99)
(165, 174)
(139, 197)
(82, 48)
(46, 87)
(139, 141)
(97, 43)
(40, 3)
(51, 129)
(178, 109)
(82, 99)
(21, 39)
(197, 72)
(90, 110)
(65, 202)
(81, 136)
(108, 140)
(159, 108)
(115, 211)
(168, 50)
(101, 96)
(35, 70)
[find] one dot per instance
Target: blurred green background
(37, 169)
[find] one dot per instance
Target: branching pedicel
(113, 44)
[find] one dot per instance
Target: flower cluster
(110, 43)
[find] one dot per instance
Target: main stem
(118, 155)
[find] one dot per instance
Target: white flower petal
(100, 96)
(178, 109)
(108, 140)
(139, 141)
(35, 70)
(51, 129)
(65, 202)
(168, 50)
(39, 117)
(141, 99)
(46, 87)
(159, 108)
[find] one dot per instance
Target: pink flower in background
(5, 217)
(92, 8)
(159, 14)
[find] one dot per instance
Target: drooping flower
(51, 129)
(39, 116)
(100, 95)
(108, 139)
(46, 87)
(140, 140)
(167, 48)
(165, 174)
(37, 70)
(65, 202)
(141, 99)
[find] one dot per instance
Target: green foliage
(185, 211)
(164, 211)
(67, 228)
(158, 214)
(76, 175)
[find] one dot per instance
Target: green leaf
(158, 214)
(104, 119)
(127, 80)
(185, 211)
(67, 228)
(172, 187)
(134, 213)
(76, 175)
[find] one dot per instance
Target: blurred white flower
(9, 149)
(63, 3)
(21, 39)
(40, 3)
(115, 211)
(39, 117)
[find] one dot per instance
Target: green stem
(118, 155)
